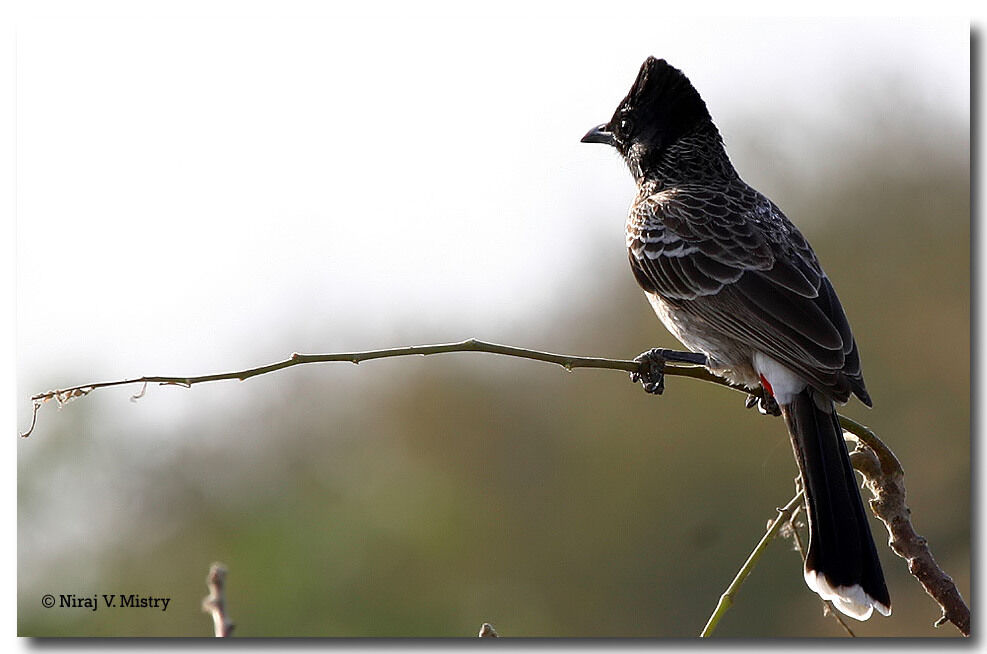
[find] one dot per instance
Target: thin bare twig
(567, 361)
(215, 602)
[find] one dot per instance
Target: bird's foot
(765, 403)
(651, 372)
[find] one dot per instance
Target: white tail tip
(849, 600)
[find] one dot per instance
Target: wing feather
(735, 262)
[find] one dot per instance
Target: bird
(736, 282)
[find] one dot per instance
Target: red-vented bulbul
(733, 279)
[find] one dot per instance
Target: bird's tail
(841, 563)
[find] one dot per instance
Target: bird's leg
(651, 373)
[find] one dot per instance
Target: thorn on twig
(487, 631)
(34, 418)
(941, 621)
(215, 602)
(139, 394)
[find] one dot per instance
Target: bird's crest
(657, 80)
(662, 104)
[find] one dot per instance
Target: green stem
(726, 599)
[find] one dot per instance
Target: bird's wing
(732, 260)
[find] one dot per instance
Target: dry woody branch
(885, 479)
(215, 602)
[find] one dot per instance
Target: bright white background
(198, 193)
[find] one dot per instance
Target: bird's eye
(626, 125)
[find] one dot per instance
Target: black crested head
(661, 107)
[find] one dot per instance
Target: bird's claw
(651, 372)
(765, 403)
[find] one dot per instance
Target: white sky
(200, 194)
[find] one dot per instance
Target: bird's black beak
(599, 134)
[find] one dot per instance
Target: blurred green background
(424, 496)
